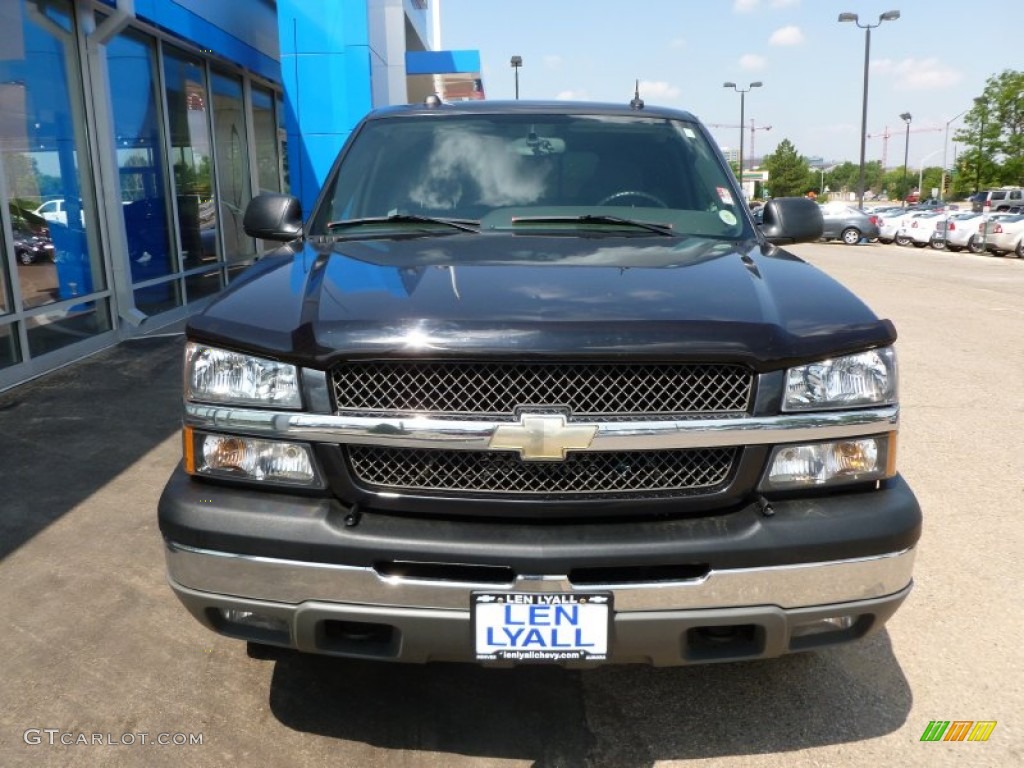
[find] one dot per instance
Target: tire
(938, 245)
(919, 245)
(974, 245)
(902, 240)
(850, 236)
(954, 248)
(1019, 250)
(25, 257)
(884, 240)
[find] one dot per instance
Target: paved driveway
(95, 648)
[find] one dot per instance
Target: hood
(517, 296)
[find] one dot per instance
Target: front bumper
(733, 585)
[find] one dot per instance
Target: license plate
(531, 627)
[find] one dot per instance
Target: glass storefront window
(188, 102)
(264, 124)
(42, 142)
(282, 136)
(234, 189)
(50, 331)
(131, 62)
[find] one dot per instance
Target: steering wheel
(632, 193)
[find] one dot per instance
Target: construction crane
(885, 135)
(753, 128)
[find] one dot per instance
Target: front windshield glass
(524, 172)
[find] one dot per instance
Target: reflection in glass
(41, 133)
(191, 160)
(282, 138)
(132, 67)
(234, 190)
(8, 346)
(52, 330)
(268, 174)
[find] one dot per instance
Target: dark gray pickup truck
(529, 385)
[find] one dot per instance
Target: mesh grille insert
(583, 473)
(495, 390)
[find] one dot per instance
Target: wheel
(974, 245)
(902, 240)
(25, 257)
(954, 248)
(615, 196)
(938, 245)
(919, 245)
(885, 240)
(1019, 250)
(850, 236)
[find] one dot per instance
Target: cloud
(573, 96)
(658, 90)
(752, 62)
(553, 61)
(787, 36)
(784, 3)
(745, 6)
(677, 42)
(917, 74)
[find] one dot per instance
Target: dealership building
(134, 132)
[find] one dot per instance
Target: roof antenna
(637, 102)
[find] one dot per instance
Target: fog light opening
(826, 630)
(250, 625)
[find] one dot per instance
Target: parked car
(57, 211)
(30, 247)
(848, 224)
(892, 228)
(1005, 235)
(920, 229)
(992, 200)
(490, 412)
(961, 230)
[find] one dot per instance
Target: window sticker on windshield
(725, 196)
(728, 217)
(690, 133)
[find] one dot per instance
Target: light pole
(905, 117)
(980, 103)
(887, 16)
(945, 148)
(517, 62)
(743, 93)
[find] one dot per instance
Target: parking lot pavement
(95, 647)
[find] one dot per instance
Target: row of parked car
(929, 224)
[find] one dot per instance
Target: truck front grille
(494, 390)
(677, 472)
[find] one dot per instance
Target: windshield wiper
(464, 225)
(602, 218)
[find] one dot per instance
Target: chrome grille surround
(495, 390)
(582, 473)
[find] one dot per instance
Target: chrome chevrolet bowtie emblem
(542, 437)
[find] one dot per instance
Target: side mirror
(792, 220)
(273, 216)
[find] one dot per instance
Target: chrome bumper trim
(289, 581)
(446, 434)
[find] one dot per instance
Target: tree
(788, 172)
(993, 135)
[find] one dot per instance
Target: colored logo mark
(958, 730)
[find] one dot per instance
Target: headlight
(867, 378)
(245, 458)
(219, 376)
(857, 460)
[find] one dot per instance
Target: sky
(931, 62)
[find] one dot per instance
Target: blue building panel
(441, 62)
(205, 34)
(334, 89)
(322, 26)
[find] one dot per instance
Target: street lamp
(979, 103)
(905, 117)
(887, 16)
(743, 93)
(517, 62)
(945, 148)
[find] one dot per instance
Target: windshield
(527, 172)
